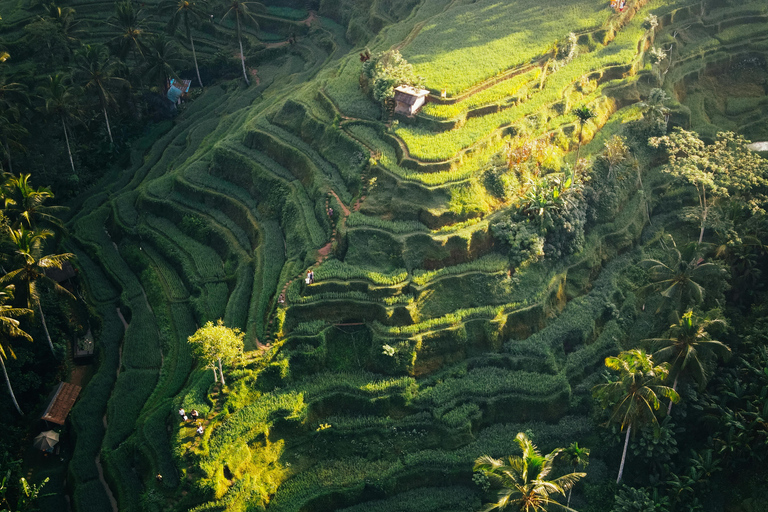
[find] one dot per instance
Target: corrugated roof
(61, 403)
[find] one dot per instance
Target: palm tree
(182, 11)
(130, 29)
(162, 57)
(98, 71)
(681, 278)
(12, 96)
(635, 395)
(9, 328)
(61, 101)
(242, 10)
(31, 264)
(653, 109)
(583, 114)
(576, 456)
(24, 204)
(688, 348)
(523, 481)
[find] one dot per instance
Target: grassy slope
(227, 209)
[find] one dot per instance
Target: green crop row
(294, 297)
(99, 287)
(91, 230)
(335, 269)
(387, 158)
(91, 497)
(272, 257)
(257, 417)
(211, 304)
(198, 173)
(592, 355)
(132, 389)
(393, 226)
(515, 86)
(361, 424)
(207, 263)
(297, 144)
(451, 319)
(236, 236)
(430, 146)
(309, 328)
(425, 499)
(493, 262)
(345, 94)
(507, 38)
(490, 382)
(236, 314)
(156, 442)
(141, 345)
(332, 144)
(121, 475)
(171, 280)
(350, 475)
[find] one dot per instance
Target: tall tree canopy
(217, 345)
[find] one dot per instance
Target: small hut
(61, 402)
(176, 89)
(408, 100)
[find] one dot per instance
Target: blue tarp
(173, 94)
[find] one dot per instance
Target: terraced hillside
(423, 342)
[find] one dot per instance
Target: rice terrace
(384, 255)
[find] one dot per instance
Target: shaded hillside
(425, 340)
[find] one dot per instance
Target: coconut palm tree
(30, 264)
(635, 395)
(681, 279)
(61, 102)
(583, 114)
(98, 72)
(183, 12)
(576, 456)
(523, 479)
(243, 11)
(9, 328)
(24, 204)
(130, 29)
(162, 57)
(688, 348)
(654, 109)
(13, 96)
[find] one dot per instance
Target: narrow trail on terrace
(322, 254)
(99, 467)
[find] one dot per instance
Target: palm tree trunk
(568, 504)
(8, 154)
(45, 328)
(69, 151)
(194, 57)
(221, 374)
(703, 214)
(624, 454)
(10, 389)
(109, 130)
(674, 388)
(578, 148)
(242, 57)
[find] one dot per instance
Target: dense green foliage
(411, 293)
